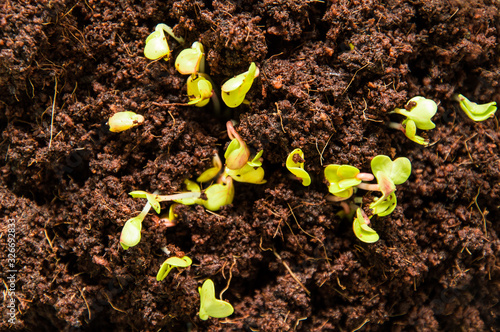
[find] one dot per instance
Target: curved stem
(169, 30)
(365, 177)
(369, 186)
(395, 125)
(333, 198)
(162, 198)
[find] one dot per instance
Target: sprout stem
(369, 187)
(162, 198)
(365, 176)
(395, 125)
(170, 32)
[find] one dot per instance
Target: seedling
(418, 112)
(122, 121)
(169, 219)
(216, 195)
(170, 263)
(361, 229)
(477, 112)
(295, 164)
(236, 88)
(237, 153)
(199, 90)
(343, 178)
(209, 305)
(131, 232)
(191, 60)
(212, 172)
(156, 44)
(155, 200)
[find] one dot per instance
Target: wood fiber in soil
(436, 266)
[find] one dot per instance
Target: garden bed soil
(330, 73)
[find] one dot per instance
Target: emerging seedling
(212, 172)
(237, 153)
(236, 88)
(131, 232)
(191, 60)
(388, 173)
(476, 112)
(215, 196)
(343, 178)
(170, 263)
(122, 121)
(418, 112)
(209, 305)
(156, 43)
(199, 90)
(295, 164)
(361, 228)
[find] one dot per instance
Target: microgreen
(122, 121)
(209, 305)
(131, 232)
(156, 44)
(419, 115)
(235, 89)
(199, 89)
(170, 263)
(191, 60)
(212, 172)
(342, 179)
(237, 153)
(296, 167)
(361, 229)
(475, 111)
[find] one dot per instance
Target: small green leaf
(131, 232)
(122, 121)
(199, 90)
(410, 130)
(218, 195)
(257, 160)
(421, 113)
(188, 61)
(297, 168)
(237, 154)
(233, 92)
(361, 228)
(475, 111)
(209, 305)
(170, 263)
(156, 46)
(150, 197)
(248, 174)
(210, 173)
(384, 207)
(342, 179)
(398, 170)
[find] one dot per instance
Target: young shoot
(199, 89)
(361, 229)
(251, 172)
(212, 172)
(155, 199)
(236, 88)
(191, 60)
(237, 153)
(209, 305)
(342, 179)
(122, 121)
(475, 111)
(418, 112)
(295, 164)
(170, 263)
(131, 232)
(215, 196)
(156, 44)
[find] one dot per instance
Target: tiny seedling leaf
(361, 228)
(122, 121)
(398, 170)
(150, 197)
(170, 263)
(297, 168)
(475, 111)
(209, 305)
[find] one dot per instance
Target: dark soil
(436, 266)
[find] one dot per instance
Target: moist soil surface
(330, 74)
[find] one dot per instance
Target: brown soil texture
(436, 266)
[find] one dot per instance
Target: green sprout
(476, 112)
(209, 305)
(361, 228)
(418, 112)
(199, 89)
(235, 89)
(131, 232)
(191, 60)
(342, 179)
(212, 172)
(295, 164)
(156, 44)
(215, 196)
(237, 153)
(388, 173)
(251, 172)
(170, 263)
(122, 121)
